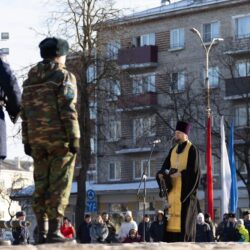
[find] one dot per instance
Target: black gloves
(27, 149)
(74, 145)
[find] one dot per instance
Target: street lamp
(207, 51)
(209, 184)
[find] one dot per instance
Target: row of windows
(146, 126)
(177, 36)
(142, 127)
(140, 167)
(143, 166)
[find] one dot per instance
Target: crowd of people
(100, 229)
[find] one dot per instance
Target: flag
(234, 190)
(210, 198)
(225, 172)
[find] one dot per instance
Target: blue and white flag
(225, 172)
(234, 188)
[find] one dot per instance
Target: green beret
(52, 47)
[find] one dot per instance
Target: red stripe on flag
(210, 195)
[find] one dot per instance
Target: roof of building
(172, 7)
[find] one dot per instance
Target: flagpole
(209, 191)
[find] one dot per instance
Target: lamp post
(209, 184)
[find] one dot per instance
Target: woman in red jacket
(67, 230)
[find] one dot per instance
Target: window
(139, 167)
(147, 39)
(242, 116)
(93, 145)
(178, 81)
(213, 75)
(143, 84)
(243, 69)
(242, 27)
(176, 38)
(210, 31)
(91, 74)
(92, 110)
(144, 127)
(216, 165)
(114, 171)
(114, 132)
(114, 89)
(112, 49)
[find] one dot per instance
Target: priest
(181, 168)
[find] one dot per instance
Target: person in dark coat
(246, 218)
(229, 231)
(220, 228)
(203, 230)
(145, 221)
(157, 229)
(10, 99)
(83, 232)
(182, 165)
(20, 235)
(111, 228)
(210, 222)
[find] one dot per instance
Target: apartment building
(160, 79)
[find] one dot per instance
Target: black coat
(190, 181)
(203, 233)
(147, 230)
(10, 98)
(21, 235)
(157, 231)
(83, 233)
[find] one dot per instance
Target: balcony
(238, 46)
(138, 57)
(136, 102)
(237, 88)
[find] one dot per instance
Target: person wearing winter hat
(21, 235)
(243, 235)
(158, 227)
(203, 230)
(128, 224)
(50, 134)
(246, 218)
(181, 166)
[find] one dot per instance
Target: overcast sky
(21, 18)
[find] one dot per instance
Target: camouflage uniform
(49, 127)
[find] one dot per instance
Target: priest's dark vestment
(182, 192)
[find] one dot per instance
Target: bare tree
(17, 183)
(79, 20)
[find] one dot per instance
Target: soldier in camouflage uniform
(51, 135)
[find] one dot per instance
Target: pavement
(135, 246)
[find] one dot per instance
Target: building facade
(159, 80)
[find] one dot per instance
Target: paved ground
(135, 246)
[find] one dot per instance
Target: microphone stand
(144, 179)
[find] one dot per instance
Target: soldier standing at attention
(51, 135)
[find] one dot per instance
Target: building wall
(191, 59)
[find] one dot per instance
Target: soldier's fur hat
(52, 47)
